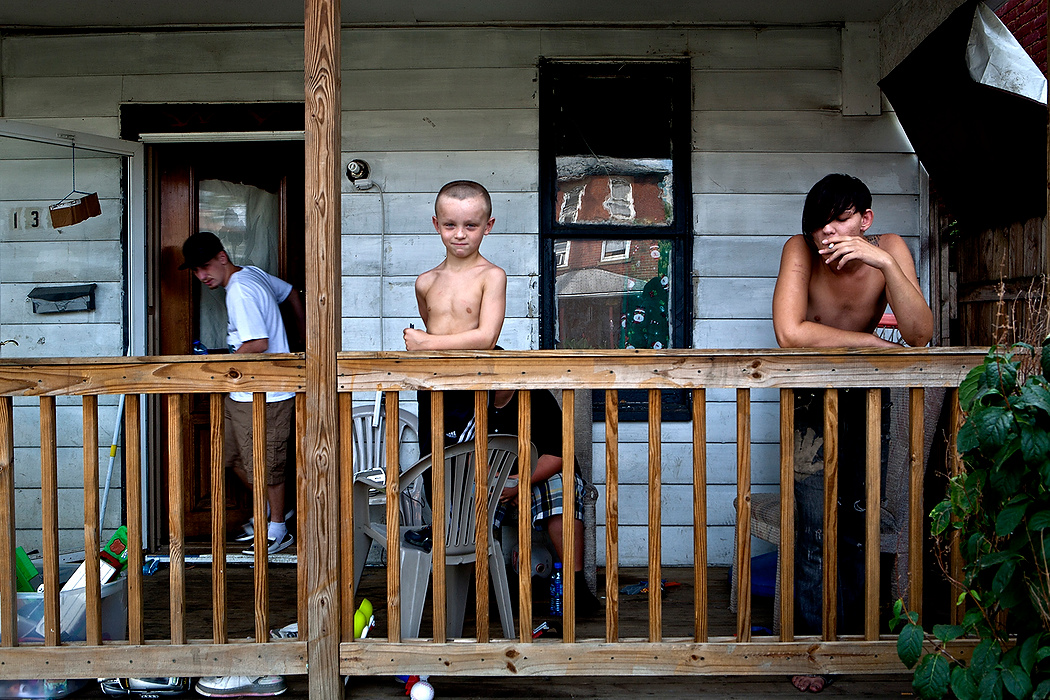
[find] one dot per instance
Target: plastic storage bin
(74, 628)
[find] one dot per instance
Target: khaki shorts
(279, 417)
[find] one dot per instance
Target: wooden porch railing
(393, 373)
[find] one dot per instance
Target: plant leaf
(991, 686)
(1010, 517)
(1036, 395)
(1039, 521)
(1045, 362)
(985, 657)
(993, 425)
(1035, 444)
(1027, 655)
(931, 677)
(909, 644)
(940, 518)
(947, 633)
(1017, 682)
(1041, 691)
(962, 684)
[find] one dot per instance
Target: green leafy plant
(1000, 507)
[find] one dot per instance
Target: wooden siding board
(677, 463)
(65, 340)
(78, 96)
(439, 88)
(734, 297)
(792, 132)
(796, 173)
(256, 86)
(156, 53)
(736, 333)
(95, 261)
(412, 213)
(32, 181)
(70, 463)
(449, 129)
(781, 90)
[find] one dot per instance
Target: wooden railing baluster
(346, 523)
(176, 514)
(481, 514)
(831, 515)
(786, 551)
(393, 523)
(743, 515)
(8, 600)
(699, 417)
(217, 438)
(916, 471)
(873, 494)
(524, 504)
(259, 500)
(568, 480)
(612, 515)
(440, 524)
(655, 517)
(133, 503)
(49, 528)
(93, 585)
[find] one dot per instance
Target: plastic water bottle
(556, 590)
(199, 348)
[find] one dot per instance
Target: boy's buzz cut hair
(834, 195)
(464, 189)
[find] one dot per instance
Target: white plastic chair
(460, 535)
(370, 435)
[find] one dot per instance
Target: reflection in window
(606, 304)
(617, 191)
(561, 253)
(570, 204)
(614, 251)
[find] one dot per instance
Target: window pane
(617, 301)
(616, 191)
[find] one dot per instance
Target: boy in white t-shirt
(253, 298)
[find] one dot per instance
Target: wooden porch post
(319, 548)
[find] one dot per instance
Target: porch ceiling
(124, 14)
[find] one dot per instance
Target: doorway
(251, 195)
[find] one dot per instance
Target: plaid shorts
(546, 502)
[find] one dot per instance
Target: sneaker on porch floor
(276, 545)
(247, 533)
(240, 686)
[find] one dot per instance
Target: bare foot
(811, 684)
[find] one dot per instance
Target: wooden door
(251, 196)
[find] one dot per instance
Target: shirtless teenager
(462, 302)
(832, 289)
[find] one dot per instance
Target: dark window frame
(633, 403)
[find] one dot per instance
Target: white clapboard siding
(150, 53)
(766, 90)
(431, 128)
(790, 132)
(780, 215)
(795, 173)
(16, 307)
(258, 86)
(70, 466)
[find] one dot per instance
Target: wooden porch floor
(677, 614)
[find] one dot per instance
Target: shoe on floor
(247, 533)
(275, 545)
(240, 686)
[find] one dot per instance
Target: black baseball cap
(199, 249)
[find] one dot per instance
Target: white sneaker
(275, 545)
(247, 533)
(240, 686)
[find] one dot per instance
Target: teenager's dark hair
(464, 189)
(829, 198)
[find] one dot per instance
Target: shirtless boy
(832, 289)
(461, 302)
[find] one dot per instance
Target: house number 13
(26, 218)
